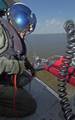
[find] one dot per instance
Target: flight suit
(12, 52)
(10, 45)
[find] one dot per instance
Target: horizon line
(46, 33)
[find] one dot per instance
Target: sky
(51, 14)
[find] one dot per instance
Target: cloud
(53, 22)
(50, 26)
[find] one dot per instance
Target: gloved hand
(32, 71)
(29, 66)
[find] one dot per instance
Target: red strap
(14, 80)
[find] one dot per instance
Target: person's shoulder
(1, 28)
(2, 37)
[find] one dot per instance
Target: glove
(32, 71)
(29, 66)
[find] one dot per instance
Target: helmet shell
(21, 17)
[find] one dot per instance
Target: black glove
(29, 66)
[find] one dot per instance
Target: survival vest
(13, 45)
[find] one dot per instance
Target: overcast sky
(51, 14)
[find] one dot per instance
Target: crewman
(17, 22)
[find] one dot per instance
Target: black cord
(64, 101)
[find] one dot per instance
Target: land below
(53, 82)
(45, 45)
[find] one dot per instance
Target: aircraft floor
(48, 107)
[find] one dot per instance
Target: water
(45, 45)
